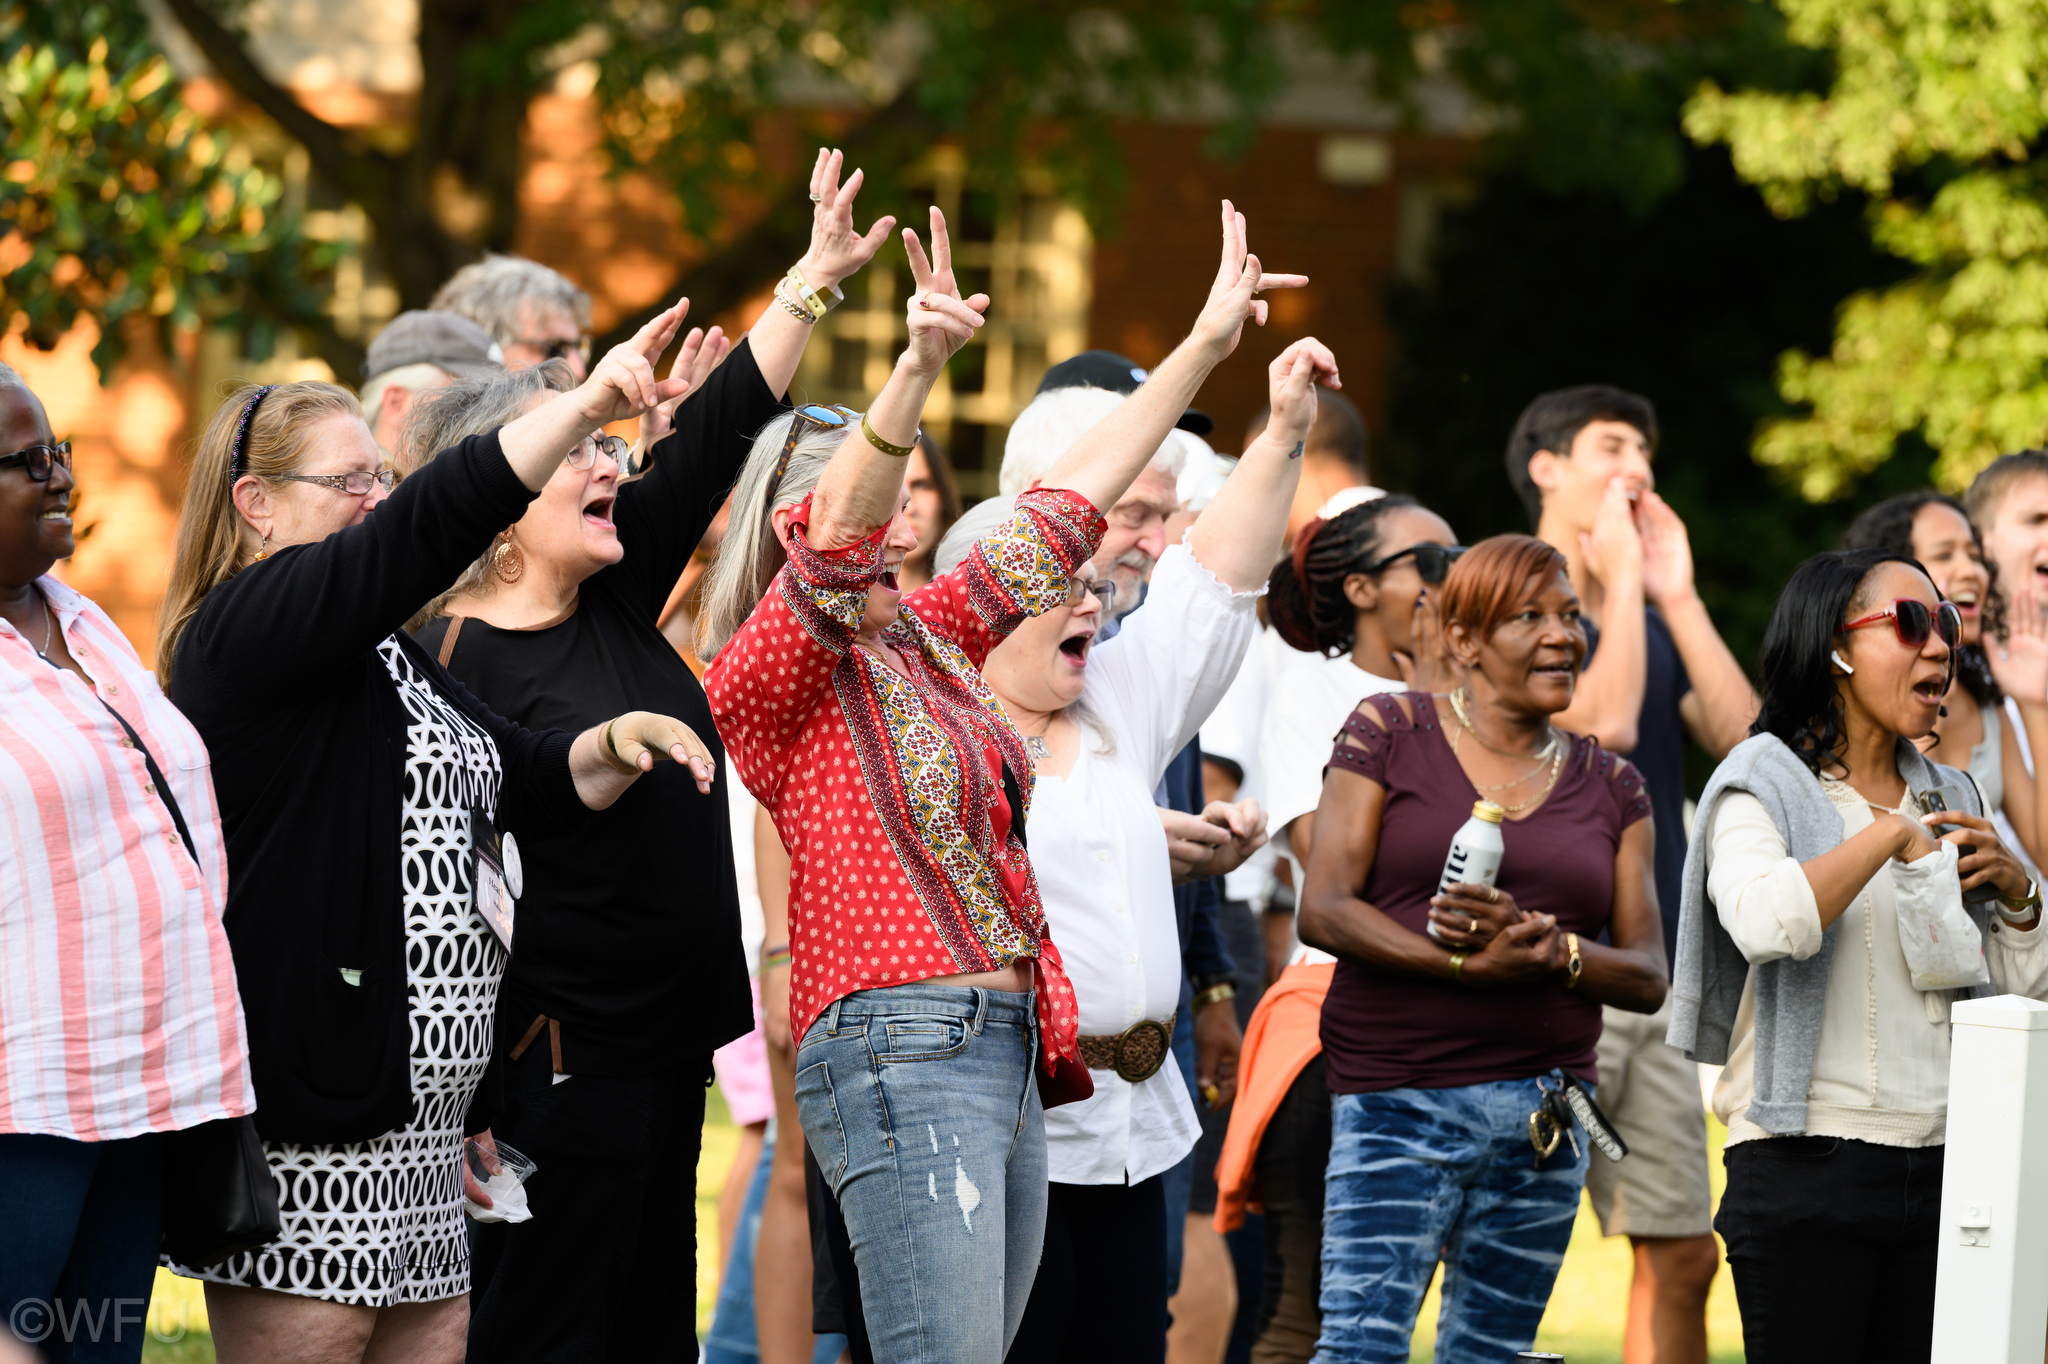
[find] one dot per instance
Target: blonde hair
(444, 417)
(211, 532)
(750, 556)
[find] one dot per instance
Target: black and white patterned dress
(378, 1223)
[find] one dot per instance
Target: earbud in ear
(1942, 711)
(1840, 662)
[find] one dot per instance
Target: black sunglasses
(1433, 562)
(40, 460)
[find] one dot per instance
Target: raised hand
(1234, 296)
(941, 322)
(1290, 388)
(1667, 551)
(1614, 548)
(623, 384)
(837, 250)
(700, 353)
(2020, 661)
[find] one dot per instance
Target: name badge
(495, 880)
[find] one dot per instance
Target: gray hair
(11, 378)
(444, 417)
(1048, 427)
(976, 524)
(495, 290)
(750, 556)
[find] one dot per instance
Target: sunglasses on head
(824, 415)
(40, 460)
(1432, 562)
(1914, 621)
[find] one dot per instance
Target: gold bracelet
(1458, 965)
(814, 299)
(1574, 966)
(1216, 994)
(625, 768)
(793, 308)
(900, 451)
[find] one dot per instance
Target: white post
(1991, 1290)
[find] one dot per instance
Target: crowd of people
(500, 781)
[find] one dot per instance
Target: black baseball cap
(1118, 374)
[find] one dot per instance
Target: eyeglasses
(557, 347)
(823, 415)
(585, 453)
(1432, 562)
(1914, 622)
(357, 484)
(1079, 590)
(39, 460)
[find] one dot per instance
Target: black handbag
(219, 1197)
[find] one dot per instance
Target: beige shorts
(1651, 1094)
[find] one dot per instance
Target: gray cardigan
(1706, 986)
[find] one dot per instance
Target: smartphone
(1951, 798)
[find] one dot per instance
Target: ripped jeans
(920, 1105)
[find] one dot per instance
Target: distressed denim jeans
(1418, 1175)
(920, 1104)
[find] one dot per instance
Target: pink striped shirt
(118, 1011)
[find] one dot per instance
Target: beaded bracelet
(772, 957)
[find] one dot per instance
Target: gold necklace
(1465, 719)
(1556, 766)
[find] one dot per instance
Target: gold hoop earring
(508, 562)
(263, 550)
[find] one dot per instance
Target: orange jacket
(1283, 1037)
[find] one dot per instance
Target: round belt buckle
(1142, 1061)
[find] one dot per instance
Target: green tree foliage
(1935, 112)
(1688, 305)
(115, 200)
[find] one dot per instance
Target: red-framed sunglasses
(1914, 622)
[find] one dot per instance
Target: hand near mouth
(2019, 663)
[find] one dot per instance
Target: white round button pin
(515, 874)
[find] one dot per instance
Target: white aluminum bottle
(1475, 851)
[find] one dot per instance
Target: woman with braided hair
(1353, 602)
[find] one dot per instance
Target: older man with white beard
(1207, 842)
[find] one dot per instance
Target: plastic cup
(510, 1160)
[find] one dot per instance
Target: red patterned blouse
(906, 856)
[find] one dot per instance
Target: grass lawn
(1583, 1324)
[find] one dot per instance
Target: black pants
(1833, 1244)
(1293, 1158)
(611, 1252)
(1101, 1287)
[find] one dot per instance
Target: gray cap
(448, 340)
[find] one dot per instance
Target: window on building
(1032, 253)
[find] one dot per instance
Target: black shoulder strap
(156, 777)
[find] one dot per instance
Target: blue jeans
(920, 1105)
(79, 1227)
(733, 1338)
(1421, 1174)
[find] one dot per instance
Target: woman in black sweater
(629, 970)
(361, 790)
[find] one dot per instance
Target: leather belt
(1134, 1054)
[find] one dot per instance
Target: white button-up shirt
(1100, 856)
(118, 1009)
